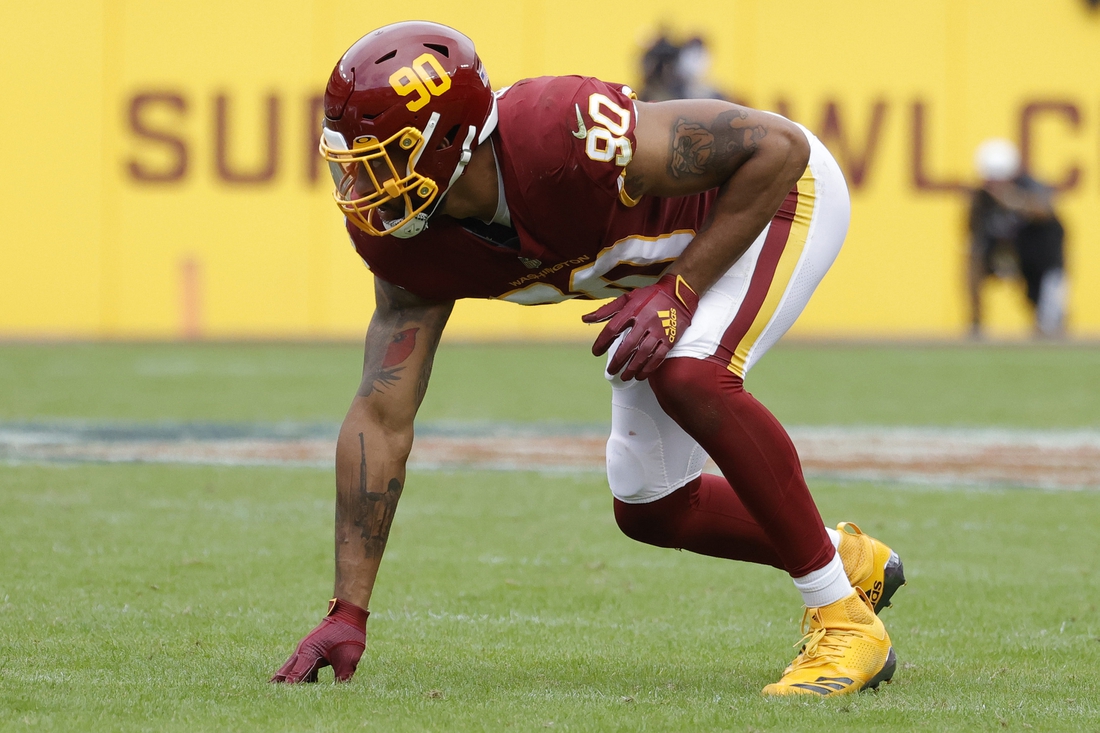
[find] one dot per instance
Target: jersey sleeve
(566, 142)
(607, 118)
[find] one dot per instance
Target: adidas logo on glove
(668, 322)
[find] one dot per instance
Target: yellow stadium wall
(160, 178)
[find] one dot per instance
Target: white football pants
(739, 318)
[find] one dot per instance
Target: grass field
(1034, 386)
(161, 597)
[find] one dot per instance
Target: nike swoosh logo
(581, 132)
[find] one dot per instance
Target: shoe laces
(820, 645)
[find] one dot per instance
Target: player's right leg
(663, 498)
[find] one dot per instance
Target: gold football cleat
(870, 565)
(845, 649)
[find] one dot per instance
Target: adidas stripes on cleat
(870, 565)
(845, 649)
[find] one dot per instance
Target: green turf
(1036, 385)
(1019, 386)
(160, 598)
(142, 597)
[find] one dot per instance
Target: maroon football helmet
(404, 110)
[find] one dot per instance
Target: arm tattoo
(728, 142)
(397, 310)
(374, 510)
(633, 184)
(392, 312)
(400, 348)
(425, 374)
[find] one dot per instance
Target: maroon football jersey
(562, 144)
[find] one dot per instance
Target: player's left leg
(701, 387)
(663, 498)
(1039, 247)
(739, 318)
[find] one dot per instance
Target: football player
(709, 223)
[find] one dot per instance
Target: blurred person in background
(1015, 233)
(671, 71)
(694, 67)
(710, 224)
(661, 77)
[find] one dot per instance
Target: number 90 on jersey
(606, 139)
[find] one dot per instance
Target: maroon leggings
(762, 512)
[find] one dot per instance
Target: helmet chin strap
(429, 129)
(420, 222)
(464, 158)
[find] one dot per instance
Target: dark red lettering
(140, 105)
(855, 163)
(921, 179)
(267, 169)
(1028, 114)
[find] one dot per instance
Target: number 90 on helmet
(405, 108)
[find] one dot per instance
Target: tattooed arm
(687, 146)
(377, 433)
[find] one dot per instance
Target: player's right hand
(654, 317)
(339, 640)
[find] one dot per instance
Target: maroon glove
(656, 315)
(339, 640)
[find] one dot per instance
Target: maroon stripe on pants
(774, 244)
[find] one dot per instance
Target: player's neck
(474, 194)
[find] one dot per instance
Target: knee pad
(648, 455)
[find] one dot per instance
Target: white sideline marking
(1057, 459)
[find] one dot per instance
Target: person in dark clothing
(1014, 232)
(677, 71)
(661, 72)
